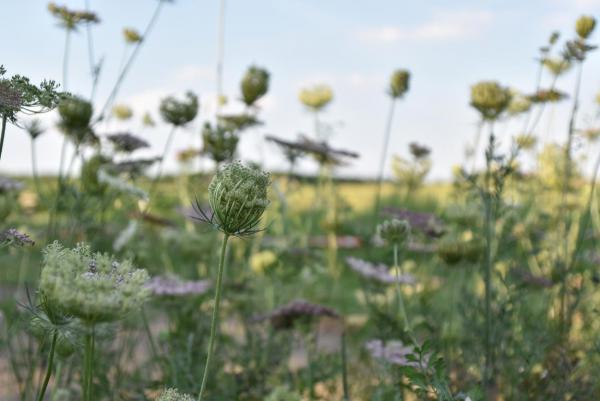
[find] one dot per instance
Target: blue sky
(351, 46)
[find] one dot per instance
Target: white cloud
(440, 27)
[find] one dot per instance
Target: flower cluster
(70, 19)
(219, 142)
(179, 112)
(75, 117)
(287, 315)
(174, 395)
(490, 99)
(316, 97)
(396, 353)
(91, 286)
(126, 142)
(131, 35)
(173, 286)
(14, 237)
(394, 231)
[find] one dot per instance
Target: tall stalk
(88, 363)
(382, 160)
(215, 315)
(34, 169)
(220, 54)
(399, 299)
(49, 367)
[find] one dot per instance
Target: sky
(352, 46)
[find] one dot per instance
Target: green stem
(2, 136)
(215, 316)
(149, 334)
(399, 299)
(345, 369)
(88, 363)
(57, 380)
(34, 169)
(382, 160)
(65, 70)
(49, 367)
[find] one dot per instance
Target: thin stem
(215, 315)
(65, 69)
(57, 380)
(49, 367)
(220, 54)
(399, 300)
(125, 70)
(88, 363)
(345, 369)
(2, 136)
(160, 168)
(149, 334)
(94, 69)
(382, 160)
(34, 169)
(487, 268)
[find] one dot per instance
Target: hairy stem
(215, 316)
(49, 367)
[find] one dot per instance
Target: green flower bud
(238, 198)
(174, 395)
(317, 97)
(585, 26)
(39, 327)
(89, 175)
(254, 85)
(490, 99)
(93, 287)
(66, 343)
(75, 116)
(394, 231)
(399, 83)
(179, 112)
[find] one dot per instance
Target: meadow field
(135, 273)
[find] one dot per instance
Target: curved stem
(215, 315)
(382, 160)
(49, 367)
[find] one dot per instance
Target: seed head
(127, 143)
(238, 198)
(490, 99)
(394, 231)
(585, 26)
(399, 83)
(254, 85)
(179, 112)
(91, 286)
(316, 97)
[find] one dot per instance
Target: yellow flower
(122, 112)
(316, 97)
(261, 261)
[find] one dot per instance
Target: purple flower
(173, 286)
(378, 272)
(14, 237)
(396, 353)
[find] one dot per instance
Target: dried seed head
(179, 112)
(238, 198)
(399, 83)
(126, 142)
(585, 26)
(316, 97)
(287, 315)
(490, 99)
(394, 231)
(254, 85)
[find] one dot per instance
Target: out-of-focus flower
(9, 185)
(378, 272)
(394, 231)
(131, 36)
(321, 151)
(396, 353)
(238, 122)
(519, 103)
(75, 117)
(585, 26)
(399, 83)
(122, 112)
(179, 112)
(147, 120)
(490, 99)
(70, 19)
(174, 286)
(548, 95)
(261, 261)
(34, 128)
(296, 311)
(526, 141)
(14, 237)
(89, 175)
(219, 142)
(418, 151)
(187, 155)
(316, 97)
(427, 223)
(254, 85)
(591, 134)
(557, 66)
(126, 142)
(174, 395)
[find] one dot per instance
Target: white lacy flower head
(378, 272)
(92, 286)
